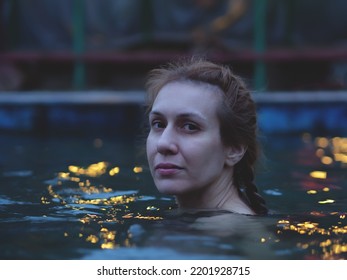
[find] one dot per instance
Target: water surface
(71, 197)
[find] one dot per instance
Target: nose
(166, 144)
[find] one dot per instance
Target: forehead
(188, 95)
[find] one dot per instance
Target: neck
(221, 195)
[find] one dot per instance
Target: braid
(244, 181)
(239, 128)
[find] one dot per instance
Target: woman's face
(184, 146)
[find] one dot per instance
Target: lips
(167, 169)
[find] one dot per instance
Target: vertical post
(11, 33)
(260, 43)
(78, 14)
(146, 21)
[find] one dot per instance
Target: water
(71, 197)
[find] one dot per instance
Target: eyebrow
(182, 115)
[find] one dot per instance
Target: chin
(172, 189)
(167, 190)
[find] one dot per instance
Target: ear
(234, 155)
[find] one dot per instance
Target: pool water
(74, 197)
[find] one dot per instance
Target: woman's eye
(190, 127)
(157, 124)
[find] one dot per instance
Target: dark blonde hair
(236, 114)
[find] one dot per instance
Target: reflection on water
(67, 200)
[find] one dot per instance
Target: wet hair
(236, 114)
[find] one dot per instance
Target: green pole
(78, 43)
(260, 43)
(146, 20)
(11, 38)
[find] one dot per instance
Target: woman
(202, 143)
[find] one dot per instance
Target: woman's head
(225, 100)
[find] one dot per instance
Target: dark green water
(70, 197)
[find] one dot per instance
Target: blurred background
(277, 45)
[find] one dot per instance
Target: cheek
(149, 148)
(203, 154)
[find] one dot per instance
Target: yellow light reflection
(93, 170)
(336, 146)
(108, 245)
(318, 174)
(114, 171)
(128, 216)
(151, 218)
(327, 160)
(327, 201)
(339, 230)
(44, 200)
(137, 169)
(63, 175)
(92, 239)
(107, 201)
(340, 157)
(325, 243)
(322, 142)
(312, 192)
(338, 248)
(340, 150)
(152, 208)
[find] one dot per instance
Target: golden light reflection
(44, 200)
(152, 218)
(327, 160)
(340, 157)
(92, 239)
(108, 235)
(88, 218)
(128, 216)
(121, 199)
(312, 192)
(327, 201)
(322, 142)
(339, 230)
(318, 174)
(77, 188)
(53, 194)
(108, 245)
(331, 150)
(93, 170)
(114, 171)
(331, 247)
(64, 175)
(151, 208)
(137, 169)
